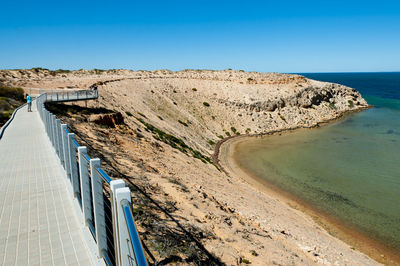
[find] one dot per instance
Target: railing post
(51, 127)
(53, 135)
(38, 105)
(73, 164)
(123, 233)
(48, 124)
(46, 118)
(85, 185)
(114, 185)
(59, 141)
(98, 205)
(65, 148)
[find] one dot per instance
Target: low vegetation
(254, 253)
(174, 142)
(98, 71)
(10, 92)
(206, 104)
(282, 117)
(10, 99)
(139, 113)
(183, 123)
(245, 261)
(51, 72)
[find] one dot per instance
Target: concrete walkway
(38, 224)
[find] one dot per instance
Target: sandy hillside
(158, 131)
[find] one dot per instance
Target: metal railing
(68, 95)
(3, 128)
(105, 203)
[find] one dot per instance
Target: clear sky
(267, 36)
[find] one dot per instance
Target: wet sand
(335, 227)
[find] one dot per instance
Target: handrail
(133, 234)
(3, 128)
(92, 230)
(86, 157)
(107, 259)
(75, 143)
(71, 95)
(104, 175)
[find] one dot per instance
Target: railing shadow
(172, 236)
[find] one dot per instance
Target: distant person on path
(29, 101)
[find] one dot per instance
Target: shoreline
(215, 156)
(224, 158)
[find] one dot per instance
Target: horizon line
(204, 69)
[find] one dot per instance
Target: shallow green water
(350, 169)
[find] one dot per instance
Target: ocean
(350, 169)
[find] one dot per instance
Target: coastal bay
(346, 171)
(331, 195)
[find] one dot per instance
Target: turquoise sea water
(351, 168)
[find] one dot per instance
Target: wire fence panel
(81, 170)
(109, 229)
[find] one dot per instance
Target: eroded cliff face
(204, 110)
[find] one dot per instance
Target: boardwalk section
(38, 224)
(57, 205)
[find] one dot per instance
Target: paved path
(38, 224)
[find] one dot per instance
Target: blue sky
(267, 36)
